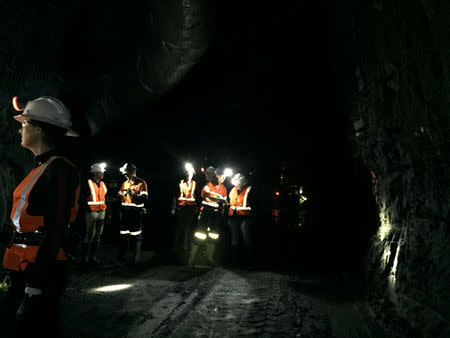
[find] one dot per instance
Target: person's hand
(131, 193)
(172, 212)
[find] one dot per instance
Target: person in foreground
(44, 205)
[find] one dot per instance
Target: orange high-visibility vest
(186, 193)
(96, 199)
(214, 190)
(238, 202)
(138, 187)
(17, 256)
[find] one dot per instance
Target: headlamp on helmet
(221, 171)
(46, 109)
(239, 179)
(228, 172)
(98, 168)
(189, 168)
(127, 168)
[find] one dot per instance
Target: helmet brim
(21, 118)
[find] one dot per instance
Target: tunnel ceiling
(106, 61)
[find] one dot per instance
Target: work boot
(137, 251)
(123, 248)
(234, 255)
(194, 249)
(92, 258)
(250, 258)
(85, 247)
(211, 248)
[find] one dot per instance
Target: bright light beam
(228, 172)
(112, 288)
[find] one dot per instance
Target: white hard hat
(239, 179)
(49, 110)
(127, 168)
(98, 168)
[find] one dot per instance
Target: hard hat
(127, 168)
(98, 168)
(239, 179)
(210, 173)
(189, 168)
(220, 171)
(49, 110)
(210, 169)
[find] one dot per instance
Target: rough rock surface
(395, 63)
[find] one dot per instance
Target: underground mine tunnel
(336, 113)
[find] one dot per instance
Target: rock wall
(393, 58)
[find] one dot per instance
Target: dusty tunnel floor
(175, 301)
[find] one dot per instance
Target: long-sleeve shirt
(134, 193)
(53, 196)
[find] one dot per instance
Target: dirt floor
(154, 300)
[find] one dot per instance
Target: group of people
(133, 194)
(202, 215)
(48, 200)
(202, 218)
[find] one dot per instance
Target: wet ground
(154, 300)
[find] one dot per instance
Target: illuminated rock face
(397, 67)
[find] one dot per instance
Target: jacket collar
(42, 158)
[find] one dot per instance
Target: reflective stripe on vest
(17, 256)
(97, 196)
(211, 204)
(126, 204)
(29, 182)
(186, 194)
(238, 202)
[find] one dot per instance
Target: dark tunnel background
(263, 97)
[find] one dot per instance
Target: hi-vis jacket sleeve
(142, 195)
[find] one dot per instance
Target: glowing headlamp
(228, 172)
(189, 168)
(16, 104)
(235, 179)
(98, 168)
